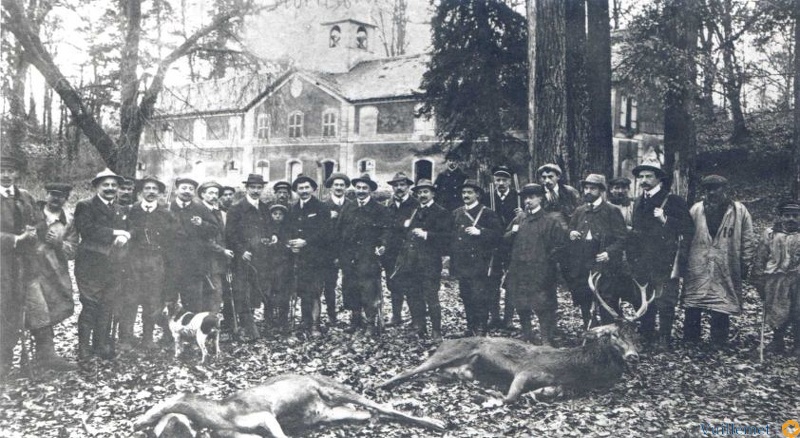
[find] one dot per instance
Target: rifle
(491, 197)
(234, 318)
(403, 254)
(516, 189)
(293, 296)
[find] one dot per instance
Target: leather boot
(796, 332)
(436, 325)
(665, 320)
(85, 327)
(527, 328)
(547, 325)
(101, 334)
(46, 355)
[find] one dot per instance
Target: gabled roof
(349, 20)
(215, 96)
(380, 78)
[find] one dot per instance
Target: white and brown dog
(197, 326)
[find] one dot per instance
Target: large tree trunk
(733, 76)
(598, 68)
(547, 118)
(130, 126)
(709, 70)
(576, 146)
(17, 129)
(796, 111)
(680, 139)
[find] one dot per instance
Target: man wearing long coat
(401, 206)
(363, 232)
(506, 203)
(337, 183)
(721, 253)
(537, 236)
(476, 234)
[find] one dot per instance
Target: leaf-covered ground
(665, 394)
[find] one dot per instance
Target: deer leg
(252, 422)
(439, 359)
(523, 381)
(201, 342)
(341, 413)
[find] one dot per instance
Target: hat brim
(97, 180)
(423, 186)
(546, 168)
(329, 182)
(598, 184)
(372, 184)
(399, 180)
(161, 186)
(301, 180)
(658, 171)
(502, 173)
(476, 187)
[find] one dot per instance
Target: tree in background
(598, 68)
(392, 19)
(476, 83)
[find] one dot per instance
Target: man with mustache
(507, 205)
(217, 252)
(776, 274)
(597, 237)
(226, 198)
(477, 231)
(662, 229)
(560, 197)
(719, 258)
(125, 193)
(618, 197)
(103, 227)
(337, 183)
(401, 205)
(152, 229)
(448, 183)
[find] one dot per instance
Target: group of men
(214, 255)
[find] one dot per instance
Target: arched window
(329, 123)
(328, 166)
(367, 165)
(361, 38)
(293, 169)
(262, 126)
(368, 121)
(262, 167)
(335, 37)
(423, 168)
(296, 124)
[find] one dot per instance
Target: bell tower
(347, 43)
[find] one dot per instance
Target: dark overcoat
(471, 256)
(398, 214)
(602, 229)
(191, 256)
(423, 257)
(311, 223)
(568, 200)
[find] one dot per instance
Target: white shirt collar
(555, 188)
(365, 201)
(597, 202)
(535, 210)
(471, 206)
(104, 201)
(338, 200)
(653, 191)
(401, 200)
(502, 196)
(6, 192)
(210, 207)
(253, 202)
(426, 205)
(50, 217)
(151, 205)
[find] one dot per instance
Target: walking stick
(234, 315)
(763, 328)
(293, 296)
(24, 355)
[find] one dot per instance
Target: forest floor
(677, 393)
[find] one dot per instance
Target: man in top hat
(596, 244)
(720, 256)
(662, 227)
(191, 258)
(618, 196)
(247, 234)
(219, 256)
(776, 275)
(401, 206)
(337, 183)
(363, 233)
(17, 240)
(103, 228)
(448, 183)
(532, 271)
(226, 197)
(559, 197)
(125, 193)
(309, 223)
(506, 204)
(477, 232)
(419, 264)
(152, 229)
(49, 298)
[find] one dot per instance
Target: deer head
(621, 335)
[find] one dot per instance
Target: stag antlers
(594, 277)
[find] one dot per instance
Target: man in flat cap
(776, 275)
(217, 252)
(418, 269)
(309, 223)
(190, 260)
(720, 256)
(362, 236)
(247, 234)
(505, 201)
(559, 197)
(662, 228)
(596, 244)
(618, 196)
(17, 240)
(401, 206)
(152, 229)
(283, 193)
(532, 272)
(103, 227)
(476, 234)
(448, 183)
(337, 183)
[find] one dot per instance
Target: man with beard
(310, 234)
(337, 183)
(719, 258)
(226, 198)
(401, 206)
(448, 183)
(476, 235)
(190, 260)
(219, 256)
(661, 230)
(18, 238)
(102, 225)
(776, 275)
(532, 274)
(152, 229)
(247, 234)
(418, 269)
(49, 298)
(597, 237)
(506, 204)
(560, 197)
(618, 197)
(125, 193)
(363, 232)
